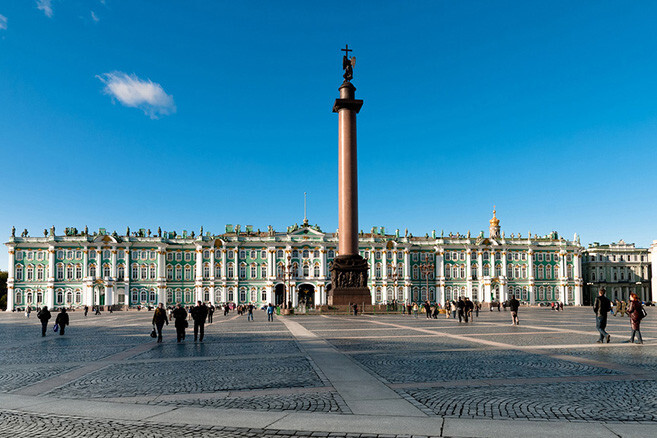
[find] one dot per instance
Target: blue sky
(187, 113)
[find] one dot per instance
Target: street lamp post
(287, 274)
(426, 268)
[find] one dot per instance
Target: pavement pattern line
(47, 385)
(363, 393)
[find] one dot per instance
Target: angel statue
(348, 64)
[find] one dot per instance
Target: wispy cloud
(3, 22)
(131, 91)
(94, 17)
(45, 6)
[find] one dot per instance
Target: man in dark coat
(159, 319)
(210, 313)
(62, 320)
(468, 309)
(44, 317)
(461, 309)
(601, 307)
(180, 316)
(199, 315)
(514, 305)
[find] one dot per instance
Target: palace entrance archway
(279, 294)
(306, 295)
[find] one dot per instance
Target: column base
(349, 281)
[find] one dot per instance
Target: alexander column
(349, 269)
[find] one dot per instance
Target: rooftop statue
(348, 64)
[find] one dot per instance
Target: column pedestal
(349, 281)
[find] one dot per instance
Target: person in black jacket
(514, 305)
(180, 316)
(461, 309)
(601, 307)
(44, 317)
(199, 315)
(62, 320)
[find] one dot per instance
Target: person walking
(355, 306)
(415, 309)
(601, 307)
(270, 312)
(210, 313)
(159, 319)
(179, 315)
(636, 314)
(514, 305)
(86, 311)
(97, 310)
(62, 320)
(448, 309)
(427, 309)
(453, 306)
(477, 306)
(469, 307)
(461, 309)
(199, 315)
(249, 312)
(28, 310)
(44, 316)
(226, 309)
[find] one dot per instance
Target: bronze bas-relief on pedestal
(349, 281)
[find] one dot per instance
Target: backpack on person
(643, 312)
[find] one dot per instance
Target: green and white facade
(78, 269)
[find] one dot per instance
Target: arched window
(473, 271)
(169, 272)
(462, 271)
(134, 272)
(60, 271)
(188, 296)
(516, 272)
(169, 296)
(152, 272)
(106, 270)
(416, 272)
(486, 255)
(524, 271)
(306, 270)
(231, 295)
(316, 270)
(242, 295)
(475, 294)
(448, 293)
(377, 296)
(30, 273)
(19, 273)
(231, 270)
(498, 270)
(18, 297)
(486, 270)
(280, 270)
(188, 272)
(316, 254)
(206, 270)
(295, 253)
(254, 271)
(416, 293)
(135, 296)
(570, 271)
(400, 269)
(331, 254)
(60, 296)
(305, 254)
(178, 272)
(179, 296)
(242, 271)
(432, 294)
(279, 254)
(40, 272)
(152, 296)
(144, 296)
(263, 270)
(295, 269)
(400, 294)
(377, 270)
(217, 269)
(206, 295)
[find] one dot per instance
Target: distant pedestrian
(86, 311)
(62, 320)
(409, 307)
(226, 309)
(270, 312)
(44, 317)
(601, 307)
(636, 313)
(514, 305)
(561, 307)
(461, 309)
(435, 309)
(477, 306)
(97, 310)
(159, 319)
(180, 321)
(355, 307)
(210, 313)
(199, 315)
(427, 309)
(28, 310)
(249, 312)
(448, 309)
(454, 309)
(415, 309)
(469, 307)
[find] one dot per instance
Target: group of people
(635, 310)
(199, 314)
(61, 321)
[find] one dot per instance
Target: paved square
(372, 375)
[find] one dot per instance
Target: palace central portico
(245, 265)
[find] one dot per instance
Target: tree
(3, 289)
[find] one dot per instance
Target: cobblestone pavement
(548, 368)
(19, 425)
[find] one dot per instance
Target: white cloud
(131, 91)
(45, 6)
(3, 22)
(94, 17)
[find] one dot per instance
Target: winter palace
(144, 268)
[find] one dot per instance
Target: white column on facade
(223, 263)
(480, 264)
(212, 263)
(530, 258)
(198, 283)
(504, 291)
(49, 296)
(384, 256)
(407, 293)
(468, 272)
(113, 259)
(322, 263)
(236, 271)
(440, 264)
(85, 263)
(51, 263)
(10, 279)
(161, 264)
(407, 264)
(270, 293)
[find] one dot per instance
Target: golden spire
(494, 221)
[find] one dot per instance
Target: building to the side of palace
(242, 266)
(620, 268)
